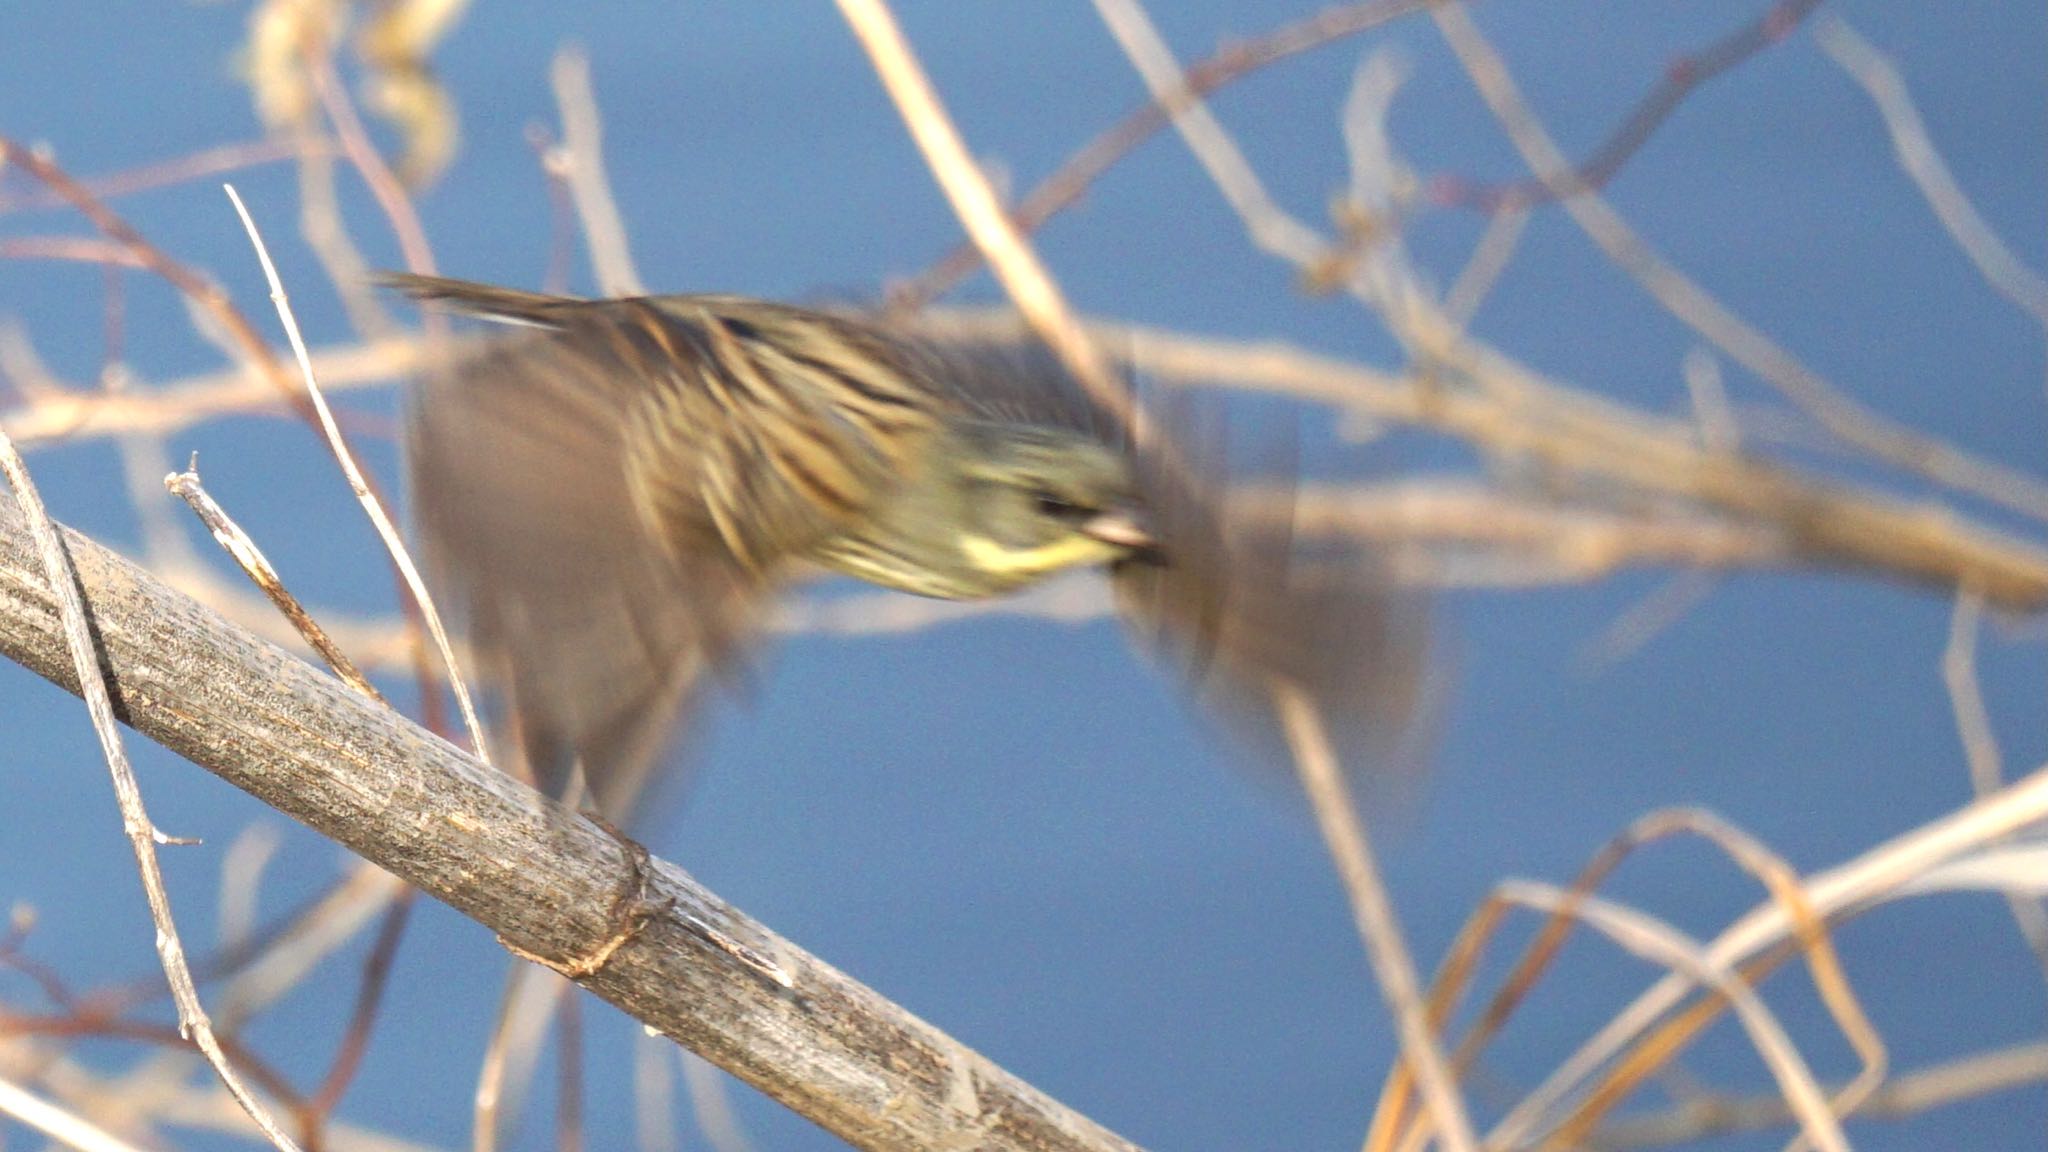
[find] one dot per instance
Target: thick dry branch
(548, 883)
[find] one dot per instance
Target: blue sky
(1013, 827)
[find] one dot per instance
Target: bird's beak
(1123, 529)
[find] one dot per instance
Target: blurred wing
(1241, 602)
(612, 497)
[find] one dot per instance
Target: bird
(616, 493)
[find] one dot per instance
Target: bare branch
(542, 877)
(1877, 76)
(1844, 416)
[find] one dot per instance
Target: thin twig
(254, 564)
(1980, 747)
(386, 530)
(204, 296)
(76, 249)
(1023, 277)
(1719, 430)
(1231, 63)
(1682, 77)
(1880, 80)
(1273, 230)
(142, 834)
(161, 173)
(384, 184)
(1489, 259)
(1909, 1094)
(1842, 415)
(1650, 616)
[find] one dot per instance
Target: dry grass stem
(581, 158)
(1662, 944)
(1373, 911)
(1908, 1094)
(1980, 746)
(61, 1125)
(1025, 280)
(1878, 875)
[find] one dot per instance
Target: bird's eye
(1059, 507)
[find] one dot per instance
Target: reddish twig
(1059, 191)
(356, 1040)
(78, 249)
(86, 1024)
(203, 292)
(1681, 78)
(1232, 63)
(42, 975)
(160, 174)
(384, 184)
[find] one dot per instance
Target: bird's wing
(1240, 601)
(614, 494)
(1243, 605)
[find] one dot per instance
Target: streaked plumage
(616, 493)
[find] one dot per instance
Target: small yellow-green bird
(616, 491)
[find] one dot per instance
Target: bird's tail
(485, 301)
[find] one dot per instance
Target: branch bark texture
(549, 883)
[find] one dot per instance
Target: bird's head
(1033, 500)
